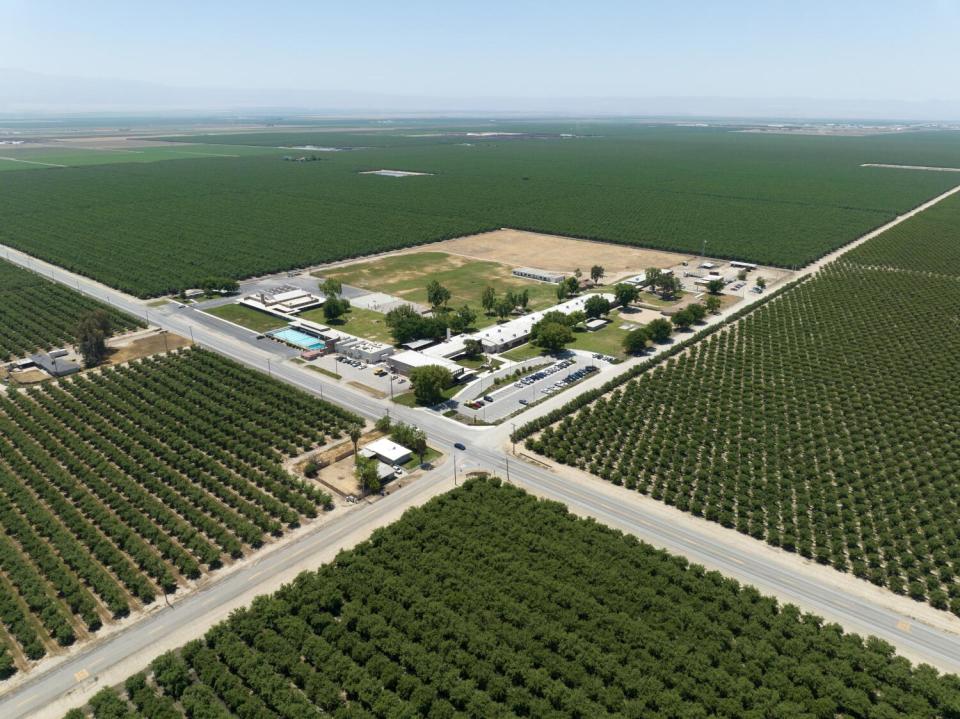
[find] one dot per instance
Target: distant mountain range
(23, 92)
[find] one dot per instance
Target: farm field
(152, 228)
(37, 314)
(119, 486)
(439, 615)
(247, 317)
(930, 242)
(20, 158)
(809, 424)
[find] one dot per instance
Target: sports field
(406, 275)
(150, 228)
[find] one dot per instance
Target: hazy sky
(903, 50)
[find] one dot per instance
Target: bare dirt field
(519, 248)
(142, 344)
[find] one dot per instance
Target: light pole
(507, 459)
(269, 370)
(454, 466)
(512, 435)
(191, 336)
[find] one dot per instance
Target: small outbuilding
(388, 452)
(596, 324)
(532, 273)
(55, 366)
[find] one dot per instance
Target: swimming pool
(299, 339)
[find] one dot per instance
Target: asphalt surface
(702, 543)
(507, 399)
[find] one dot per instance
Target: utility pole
(454, 466)
(507, 458)
(191, 336)
(269, 370)
(512, 435)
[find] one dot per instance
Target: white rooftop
(289, 295)
(390, 451)
(412, 358)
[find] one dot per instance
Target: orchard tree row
(827, 423)
(927, 242)
(117, 486)
(37, 314)
(487, 602)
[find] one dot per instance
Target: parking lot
(531, 388)
(375, 376)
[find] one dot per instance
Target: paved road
(703, 544)
(82, 670)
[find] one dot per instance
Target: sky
(528, 49)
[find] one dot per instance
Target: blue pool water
(299, 339)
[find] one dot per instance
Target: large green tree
(625, 294)
(635, 341)
(660, 330)
(553, 336)
(429, 382)
(92, 334)
(596, 306)
(437, 295)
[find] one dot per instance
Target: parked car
(488, 398)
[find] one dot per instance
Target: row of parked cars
(569, 379)
(379, 371)
(352, 362)
(537, 376)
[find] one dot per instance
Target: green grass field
(358, 321)
(407, 275)
(150, 228)
(246, 317)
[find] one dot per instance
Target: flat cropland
(826, 422)
(36, 158)
(488, 603)
(248, 317)
(406, 275)
(121, 485)
(151, 228)
(37, 314)
(929, 242)
(358, 321)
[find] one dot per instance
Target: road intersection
(827, 593)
